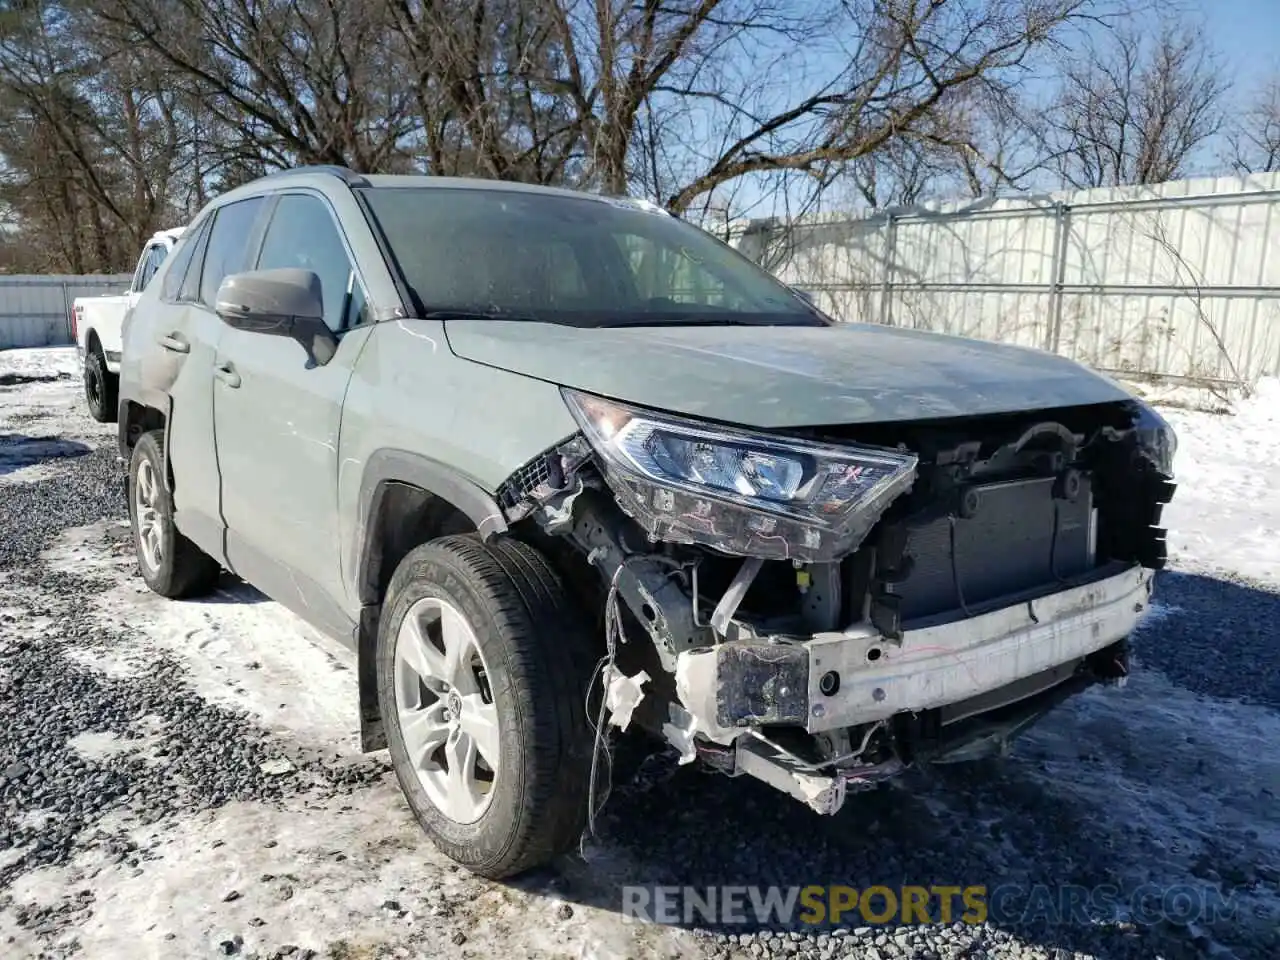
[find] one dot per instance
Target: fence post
(66, 314)
(1061, 234)
(886, 290)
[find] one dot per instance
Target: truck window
(148, 265)
(228, 246)
(190, 242)
(303, 234)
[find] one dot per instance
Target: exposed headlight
(738, 492)
(1156, 438)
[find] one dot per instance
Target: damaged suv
(553, 462)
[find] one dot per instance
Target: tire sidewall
(95, 372)
(488, 838)
(147, 449)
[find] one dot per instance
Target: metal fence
(35, 311)
(1180, 280)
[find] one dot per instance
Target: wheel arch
(405, 499)
(136, 417)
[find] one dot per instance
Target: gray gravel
(987, 823)
(51, 797)
(1223, 641)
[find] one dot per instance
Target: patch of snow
(40, 361)
(321, 874)
(116, 664)
(81, 551)
(53, 408)
(1157, 611)
(241, 649)
(103, 744)
(1225, 515)
(1186, 395)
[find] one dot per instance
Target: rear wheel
(483, 667)
(171, 564)
(101, 387)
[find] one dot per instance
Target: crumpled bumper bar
(858, 676)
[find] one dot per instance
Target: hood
(779, 377)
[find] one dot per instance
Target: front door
(276, 419)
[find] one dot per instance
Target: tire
(536, 659)
(176, 568)
(101, 388)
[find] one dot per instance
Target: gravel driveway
(182, 780)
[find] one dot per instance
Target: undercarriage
(996, 570)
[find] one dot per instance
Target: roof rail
(346, 175)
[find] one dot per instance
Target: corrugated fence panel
(1182, 279)
(35, 311)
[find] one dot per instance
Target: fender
(388, 466)
(384, 469)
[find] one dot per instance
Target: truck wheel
(101, 387)
(483, 666)
(171, 564)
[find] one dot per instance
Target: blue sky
(1248, 34)
(1245, 34)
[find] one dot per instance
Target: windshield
(513, 255)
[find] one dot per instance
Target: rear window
(580, 261)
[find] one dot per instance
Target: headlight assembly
(1155, 438)
(738, 492)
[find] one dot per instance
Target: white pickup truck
(96, 323)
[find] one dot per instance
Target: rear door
(186, 333)
(277, 417)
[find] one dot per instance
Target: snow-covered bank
(1225, 517)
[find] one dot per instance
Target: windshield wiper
(450, 314)
(705, 321)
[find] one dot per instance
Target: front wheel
(101, 388)
(483, 668)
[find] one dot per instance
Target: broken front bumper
(962, 667)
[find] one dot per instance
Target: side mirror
(279, 303)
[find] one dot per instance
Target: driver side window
(303, 234)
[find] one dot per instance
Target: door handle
(227, 374)
(175, 343)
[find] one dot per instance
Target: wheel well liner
(403, 494)
(134, 420)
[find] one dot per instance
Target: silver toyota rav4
(557, 464)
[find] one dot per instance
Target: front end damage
(824, 608)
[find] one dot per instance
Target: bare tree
(95, 136)
(785, 89)
(125, 115)
(486, 89)
(1255, 143)
(1132, 111)
(300, 81)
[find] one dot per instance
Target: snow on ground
(1225, 517)
(40, 362)
(42, 413)
(353, 875)
(240, 649)
(1173, 779)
